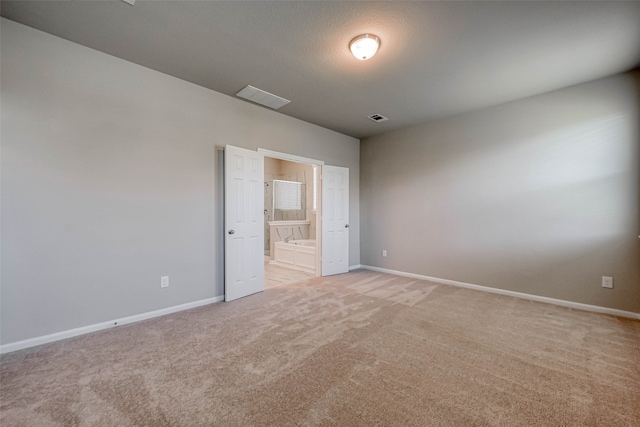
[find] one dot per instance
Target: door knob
(346, 226)
(232, 231)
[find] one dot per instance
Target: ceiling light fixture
(364, 46)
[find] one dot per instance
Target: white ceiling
(437, 59)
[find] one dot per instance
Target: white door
(244, 234)
(335, 220)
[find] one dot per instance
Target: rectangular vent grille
(377, 118)
(261, 97)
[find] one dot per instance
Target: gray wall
(111, 178)
(539, 196)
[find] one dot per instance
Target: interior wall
(539, 196)
(272, 169)
(288, 171)
(302, 172)
(111, 178)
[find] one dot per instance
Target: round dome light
(364, 46)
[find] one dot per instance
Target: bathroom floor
(275, 275)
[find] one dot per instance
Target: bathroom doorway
(292, 225)
(244, 249)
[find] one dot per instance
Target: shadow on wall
(540, 196)
(576, 181)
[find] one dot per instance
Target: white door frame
(291, 157)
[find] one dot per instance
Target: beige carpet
(359, 349)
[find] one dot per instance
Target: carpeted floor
(359, 349)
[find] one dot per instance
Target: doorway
(292, 225)
(245, 223)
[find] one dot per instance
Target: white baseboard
(554, 301)
(32, 342)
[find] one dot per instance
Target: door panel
(335, 220)
(244, 234)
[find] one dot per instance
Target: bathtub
(297, 254)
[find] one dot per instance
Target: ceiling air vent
(261, 97)
(377, 118)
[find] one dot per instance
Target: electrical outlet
(164, 282)
(384, 252)
(607, 282)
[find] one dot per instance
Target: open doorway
(292, 206)
(244, 248)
